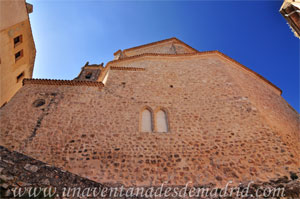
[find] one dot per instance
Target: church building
(157, 113)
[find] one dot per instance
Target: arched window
(88, 75)
(161, 121)
(146, 120)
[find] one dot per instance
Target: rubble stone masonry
(225, 123)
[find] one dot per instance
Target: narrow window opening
(19, 55)
(18, 40)
(146, 121)
(161, 121)
(20, 77)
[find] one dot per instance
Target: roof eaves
(62, 82)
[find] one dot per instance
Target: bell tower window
(88, 76)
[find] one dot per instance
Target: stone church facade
(158, 113)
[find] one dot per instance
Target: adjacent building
(17, 51)
(290, 10)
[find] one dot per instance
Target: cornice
(126, 68)
(62, 82)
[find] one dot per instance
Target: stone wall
(20, 171)
(220, 125)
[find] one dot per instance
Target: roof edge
(248, 69)
(118, 51)
(158, 42)
(62, 82)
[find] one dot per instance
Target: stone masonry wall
(277, 113)
(218, 130)
(20, 171)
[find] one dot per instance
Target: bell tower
(90, 72)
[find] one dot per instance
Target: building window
(20, 77)
(146, 120)
(18, 40)
(39, 102)
(88, 76)
(161, 121)
(18, 55)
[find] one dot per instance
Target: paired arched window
(161, 121)
(146, 121)
(158, 124)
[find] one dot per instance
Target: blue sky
(69, 33)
